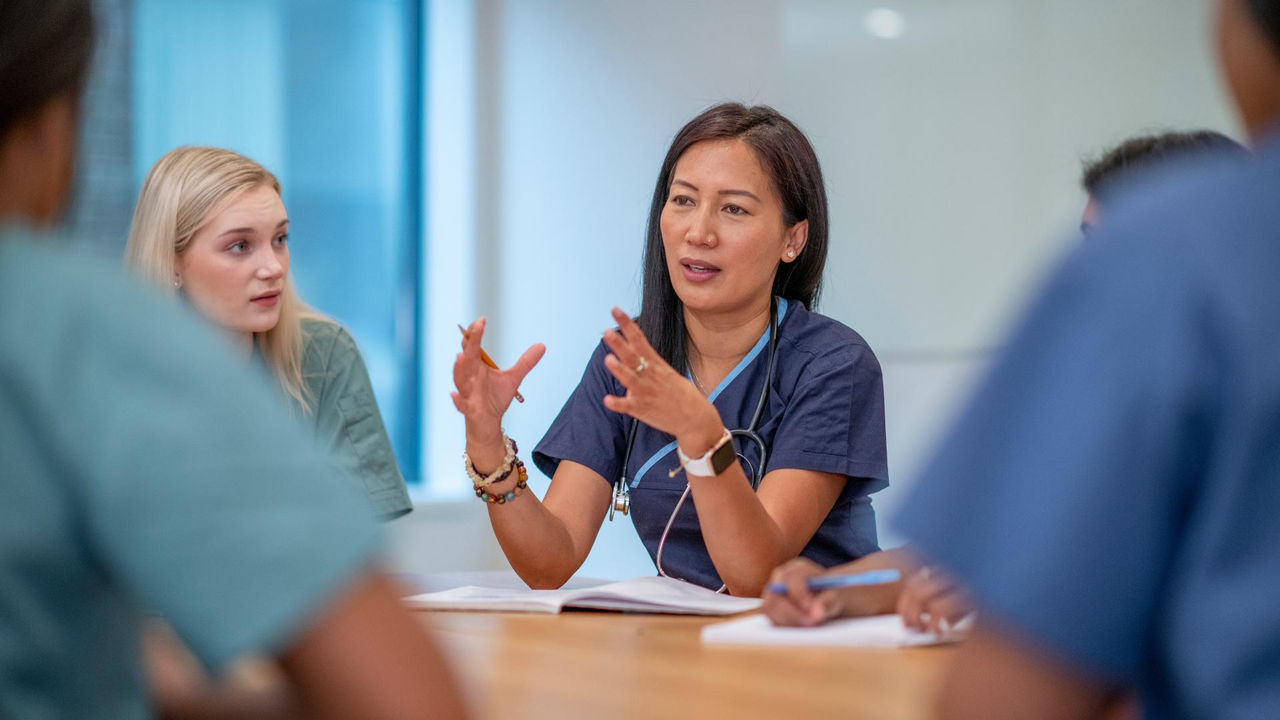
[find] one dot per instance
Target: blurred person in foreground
(140, 469)
(929, 598)
(1124, 448)
(1144, 156)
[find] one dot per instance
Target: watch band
(714, 461)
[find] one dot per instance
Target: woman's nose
(270, 268)
(701, 229)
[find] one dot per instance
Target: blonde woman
(210, 227)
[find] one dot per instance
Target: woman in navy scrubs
(736, 246)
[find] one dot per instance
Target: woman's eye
(735, 210)
(682, 200)
(282, 240)
(239, 246)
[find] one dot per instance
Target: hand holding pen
(484, 392)
(801, 592)
(484, 356)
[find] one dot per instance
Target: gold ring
(640, 366)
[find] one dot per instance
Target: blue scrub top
(1111, 494)
(825, 413)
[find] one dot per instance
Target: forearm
(875, 599)
(744, 542)
(535, 541)
(181, 689)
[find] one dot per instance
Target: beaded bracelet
(512, 494)
(498, 475)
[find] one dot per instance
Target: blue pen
(826, 582)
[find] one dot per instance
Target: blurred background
(443, 159)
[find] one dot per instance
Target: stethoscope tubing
(621, 492)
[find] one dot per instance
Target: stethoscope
(755, 472)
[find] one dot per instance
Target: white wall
(951, 157)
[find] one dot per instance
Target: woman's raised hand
(483, 393)
(657, 395)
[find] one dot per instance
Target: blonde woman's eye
(283, 239)
(239, 247)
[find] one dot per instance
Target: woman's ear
(797, 236)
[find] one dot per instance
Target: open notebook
(643, 594)
(882, 631)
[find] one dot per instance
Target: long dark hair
(45, 50)
(785, 153)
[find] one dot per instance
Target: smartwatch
(715, 461)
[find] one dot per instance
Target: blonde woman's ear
(177, 281)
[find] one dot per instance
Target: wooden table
(608, 665)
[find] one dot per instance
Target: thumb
(526, 362)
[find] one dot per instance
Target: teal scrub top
(142, 466)
(345, 419)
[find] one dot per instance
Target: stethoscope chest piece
(621, 500)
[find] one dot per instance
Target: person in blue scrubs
(737, 241)
(1124, 451)
(929, 597)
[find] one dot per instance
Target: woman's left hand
(657, 395)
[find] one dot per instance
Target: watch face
(723, 457)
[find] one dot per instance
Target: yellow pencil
(488, 360)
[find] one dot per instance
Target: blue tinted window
(325, 95)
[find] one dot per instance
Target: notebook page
(877, 631)
(472, 597)
(660, 595)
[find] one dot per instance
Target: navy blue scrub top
(825, 413)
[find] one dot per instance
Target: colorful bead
(521, 484)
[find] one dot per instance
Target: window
(326, 96)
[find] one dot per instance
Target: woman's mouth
(267, 299)
(698, 270)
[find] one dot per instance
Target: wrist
(718, 458)
(701, 436)
(486, 450)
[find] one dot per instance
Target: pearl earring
(177, 283)
(791, 253)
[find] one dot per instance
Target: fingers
(526, 362)
(930, 597)
(626, 355)
(948, 609)
(631, 331)
(463, 373)
(796, 606)
(624, 405)
(471, 341)
(624, 371)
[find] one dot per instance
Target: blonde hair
(183, 190)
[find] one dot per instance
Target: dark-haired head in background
(1140, 155)
(141, 468)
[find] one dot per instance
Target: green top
(142, 466)
(345, 419)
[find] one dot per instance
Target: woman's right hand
(483, 394)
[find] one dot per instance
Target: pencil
(488, 360)
(826, 582)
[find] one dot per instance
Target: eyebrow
(233, 231)
(693, 187)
